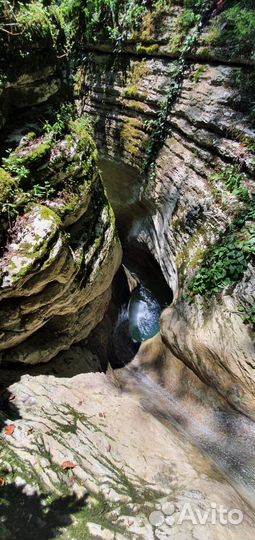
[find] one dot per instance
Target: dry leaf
(2, 482)
(8, 430)
(68, 465)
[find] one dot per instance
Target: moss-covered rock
(150, 49)
(61, 277)
(7, 186)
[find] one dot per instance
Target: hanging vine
(159, 127)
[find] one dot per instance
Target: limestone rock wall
(28, 80)
(207, 132)
(61, 254)
(204, 131)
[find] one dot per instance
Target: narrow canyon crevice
(127, 282)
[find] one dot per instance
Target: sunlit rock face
(59, 258)
(182, 212)
(124, 463)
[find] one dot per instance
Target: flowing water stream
(225, 435)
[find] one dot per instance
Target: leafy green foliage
(34, 19)
(113, 20)
(234, 182)
(15, 165)
(31, 172)
(64, 22)
(248, 317)
(56, 129)
(43, 191)
(187, 19)
(226, 263)
(23, 22)
(235, 29)
(158, 133)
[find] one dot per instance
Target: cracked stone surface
(123, 458)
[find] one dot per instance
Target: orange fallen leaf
(243, 145)
(68, 465)
(2, 482)
(8, 430)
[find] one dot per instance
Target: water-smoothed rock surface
(131, 475)
(60, 256)
(186, 207)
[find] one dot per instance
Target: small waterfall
(144, 313)
(124, 347)
(225, 436)
(137, 321)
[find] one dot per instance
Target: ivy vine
(159, 127)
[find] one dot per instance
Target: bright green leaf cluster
(228, 259)
(234, 181)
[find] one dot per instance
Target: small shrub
(60, 125)
(15, 166)
(234, 181)
(235, 29)
(187, 19)
(198, 74)
(226, 262)
(131, 92)
(175, 43)
(34, 19)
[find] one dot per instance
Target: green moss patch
(58, 166)
(131, 135)
(150, 49)
(7, 186)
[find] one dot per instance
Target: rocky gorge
(149, 163)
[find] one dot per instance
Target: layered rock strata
(60, 256)
(186, 212)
